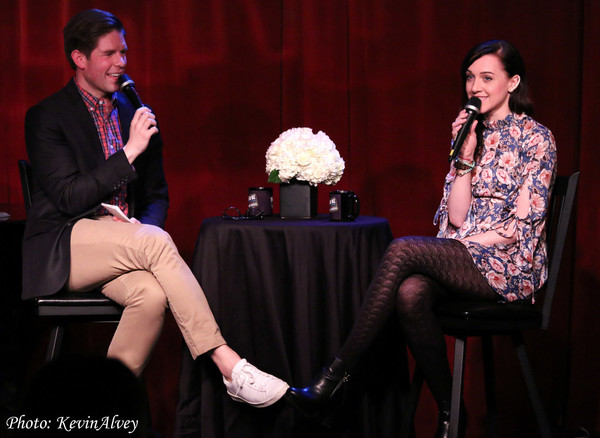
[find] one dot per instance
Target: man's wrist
(131, 156)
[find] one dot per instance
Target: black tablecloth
(285, 294)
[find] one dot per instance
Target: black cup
(343, 205)
(260, 201)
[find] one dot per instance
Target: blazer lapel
(83, 121)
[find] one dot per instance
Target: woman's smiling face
(487, 79)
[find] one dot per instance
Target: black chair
(65, 307)
(464, 319)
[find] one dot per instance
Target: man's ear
(79, 59)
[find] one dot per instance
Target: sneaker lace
(248, 373)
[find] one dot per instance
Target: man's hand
(143, 127)
(132, 220)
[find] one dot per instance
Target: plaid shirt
(109, 131)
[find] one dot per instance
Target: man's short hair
(83, 30)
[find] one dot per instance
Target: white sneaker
(250, 385)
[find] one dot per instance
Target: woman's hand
(467, 151)
(459, 199)
(142, 128)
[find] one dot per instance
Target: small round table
(285, 294)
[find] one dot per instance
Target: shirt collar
(91, 101)
(497, 124)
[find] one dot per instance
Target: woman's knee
(398, 243)
(414, 292)
(404, 248)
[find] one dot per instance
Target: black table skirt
(285, 294)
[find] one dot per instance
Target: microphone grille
(124, 81)
(474, 104)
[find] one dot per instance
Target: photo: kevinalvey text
(70, 424)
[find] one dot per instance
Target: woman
(491, 240)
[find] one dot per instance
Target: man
(87, 145)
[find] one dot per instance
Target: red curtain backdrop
(381, 78)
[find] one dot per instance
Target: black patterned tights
(416, 272)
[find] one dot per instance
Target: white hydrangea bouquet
(300, 154)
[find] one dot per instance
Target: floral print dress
(516, 151)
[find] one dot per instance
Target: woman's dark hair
(83, 30)
(510, 57)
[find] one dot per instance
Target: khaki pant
(139, 267)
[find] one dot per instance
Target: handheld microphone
(128, 88)
(473, 106)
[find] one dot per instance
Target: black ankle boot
(312, 399)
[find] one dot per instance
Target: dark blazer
(72, 177)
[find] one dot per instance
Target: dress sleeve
(446, 229)
(539, 170)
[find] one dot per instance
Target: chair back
(557, 226)
(26, 173)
